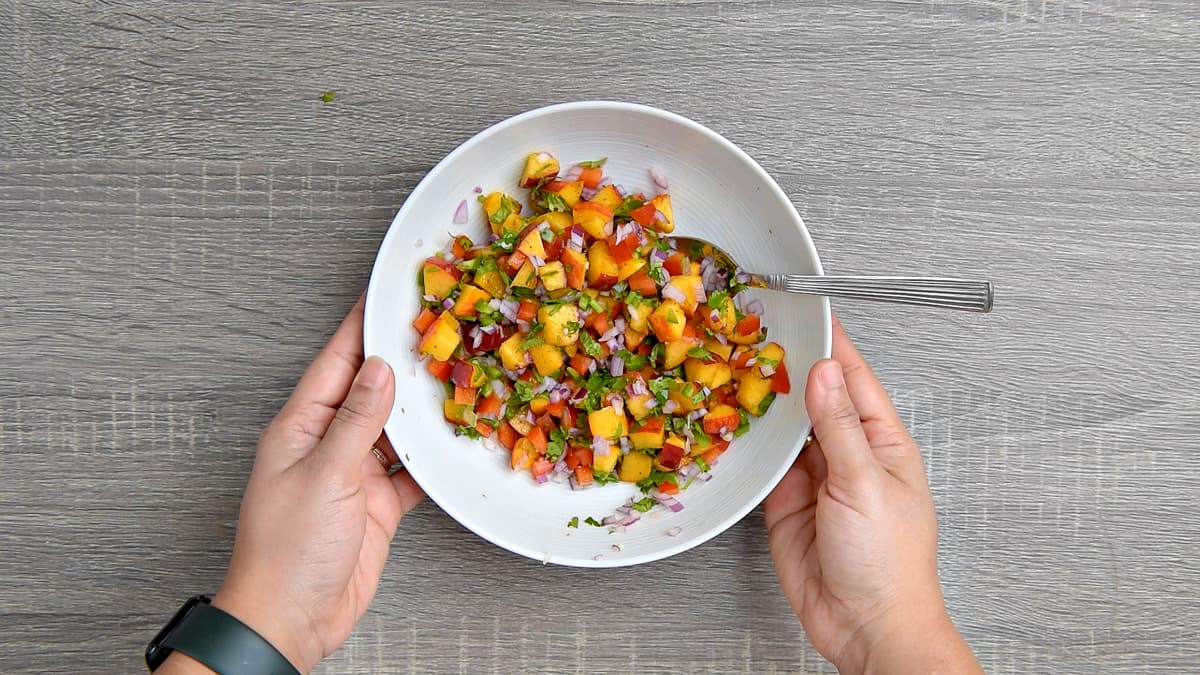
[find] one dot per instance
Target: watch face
(155, 653)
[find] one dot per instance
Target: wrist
(898, 641)
(288, 633)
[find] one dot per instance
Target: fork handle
(964, 294)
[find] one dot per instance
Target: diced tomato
(581, 362)
(546, 423)
(644, 215)
(569, 415)
(740, 359)
(622, 251)
(677, 263)
(538, 437)
(515, 261)
(748, 325)
(555, 248)
(462, 244)
(780, 382)
(689, 332)
(527, 310)
(465, 395)
(489, 407)
(542, 466)
(556, 409)
(526, 376)
(424, 320)
(484, 429)
(440, 369)
(668, 488)
(582, 455)
(641, 283)
(583, 475)
(506, 435)
(591, 177)
(599, 323)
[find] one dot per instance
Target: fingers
(852, 468)
(889, 439)
(359, 419)
(328, 378)
(407, 489)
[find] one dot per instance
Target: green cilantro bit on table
(573, 522)
(328, 97)
(593, 522)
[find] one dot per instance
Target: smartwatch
(218, 640)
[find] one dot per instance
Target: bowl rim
(737, 514)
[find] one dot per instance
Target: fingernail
(374, 373)
(831, 376)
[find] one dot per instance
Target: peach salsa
(579, 339)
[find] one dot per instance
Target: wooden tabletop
(183, 221)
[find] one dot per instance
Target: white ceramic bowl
(718, 193)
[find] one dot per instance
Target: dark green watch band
(219, 641)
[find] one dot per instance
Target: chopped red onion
(727, 436)
(670, 406)
(555, 396)
(617, 366)
(610, 520)
(587, 193)
(751, 361)
(576, 486)
(608, 229)
(658, 254)
(542, 479)
(767, 371)
(578, 396)
(560, 466)
(619, 324)
(630, 519)
(625, 445)
(670, 292)
(722, 339)
(489, 444)
(547, 384)
(674, 531)
(573, 173)
(660, 217)
(704, 476)
(537, 262)
(701, 296)
(460, 213)
(755, 307)
(592, 366)
(617, 403)
(659, 179)
(499, 388)
(609, 334)
(447, 303)
(600, 446)
(477, 190)
(429, 297)
(621, 191)
(741, 277)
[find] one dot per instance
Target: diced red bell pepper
(440, 369)
(424, 320)
(780, 382)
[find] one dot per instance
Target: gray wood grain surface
(183, 222)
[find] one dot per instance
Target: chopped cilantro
(605, 477)
(555, 202)
(327, 97)
(699, 353)
(571, 328)
(660, 387)
(644, 504)
(469, 432)
(556, 445)
(593, 522)
(588, 303)
(743, 425)
(593, 164)
(533, 341)
(501, 214)
(657, 477)
(506, 240)
(573, 522)
(522, 391)
(702, 464)
(657, 274)
(590, 346)
(634, 299)
(547, 235)
(717, 299)
(672, 319)
(627, 206)
(766, 404)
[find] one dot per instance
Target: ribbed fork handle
(964, 294)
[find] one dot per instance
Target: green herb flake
(573, 522)
(522, 391)
(743, 425)
(605, 477)
(644, 504)
(593, 164)
(556, 203)
(556, 445)
(590, 346)
(699, 353)
(532, 342)
(328, 97)
(627, 206)
(593, 522)
(702, 464)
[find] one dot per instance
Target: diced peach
(526, 277)
(608, 196)
(667, 321)
(468, 299)
(441, 339)
(454, 412)
(721, 419)
(721, 351)
(553, 276)
(690, 287)
(635, 467)
(752, 390)
(629, 268)
(602, 270)
(532, 245)
(575, 264)
(671, 455)
(523, 454)
(503, 213)
(675, 353)
(607, 423)
(490, 281)
(511, 353)
(639, 406)
(570, 191)
(663, 204)
(538, 165)
(560, 324)
(547, 359)
(649, 434)
(711, 375)
(592, 217)
(607, 461)
(439, 278)
(557, 221)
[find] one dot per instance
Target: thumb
(360, 418)
(852, 468)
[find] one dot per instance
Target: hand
(853, 532)
(319, 510)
